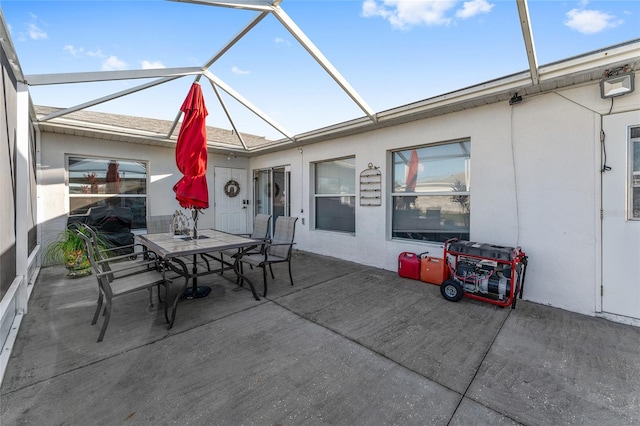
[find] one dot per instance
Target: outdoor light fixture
(515, 99)
(231, 156)
(616, 83)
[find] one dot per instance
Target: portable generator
(486, 272)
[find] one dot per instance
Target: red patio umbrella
(191, 153)
(191, 158)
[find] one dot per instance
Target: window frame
(633, 142)
(394, 194)
(103, 195)
(317, 196)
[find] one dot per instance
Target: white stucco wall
(535, 183)
(162, 174)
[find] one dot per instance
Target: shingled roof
(127, 128)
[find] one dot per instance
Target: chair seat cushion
(132, 283)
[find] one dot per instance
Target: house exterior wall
(535, 183)
(162, 174)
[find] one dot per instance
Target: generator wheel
(451, 290)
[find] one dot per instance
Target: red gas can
(409, 265)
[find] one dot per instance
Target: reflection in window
(431, 192)
(634, 171)
(335, 195)
(97, 182)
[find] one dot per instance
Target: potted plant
(69, 250)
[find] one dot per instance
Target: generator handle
(517, 254)
(448, 243)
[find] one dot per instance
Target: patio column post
(23, 194)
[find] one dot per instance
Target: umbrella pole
(195, 292)
(194, 216)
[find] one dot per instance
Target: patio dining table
(175, 249)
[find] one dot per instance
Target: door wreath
(232, 188)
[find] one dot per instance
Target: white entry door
(621, 216)
(231, 207)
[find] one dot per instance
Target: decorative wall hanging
(231, 188)
(371, 186)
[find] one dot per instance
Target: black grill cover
(114, 225)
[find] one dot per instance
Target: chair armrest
(280, 244)
(121, 257)
(267, 247)
(144, 248)
(244, 250)
(116, 272)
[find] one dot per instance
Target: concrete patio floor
(346, 345)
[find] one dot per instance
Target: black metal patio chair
(260, 232)
(121, 279)
(276, 250)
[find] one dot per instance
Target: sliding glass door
(271, 192)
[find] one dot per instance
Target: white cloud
(403, 14)
(95, 53)
(79, 51)
(473, 8)
(590, 21)
(71, 50)
(280, 40)
(35, 33)
(237, 70)
(32, 32)
(148, 65)
(113, 64)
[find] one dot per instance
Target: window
(431, 198)
(98, 182)
(335, 195)
(634, 173)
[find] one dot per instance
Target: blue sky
(392, 52)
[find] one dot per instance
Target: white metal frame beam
(264, 7)
(257, 5)
(273, 7)
(217, 56)
(215, 80)
(106, 98)
(226, 112)
(322, 60)
(96, 76)
(527, 34)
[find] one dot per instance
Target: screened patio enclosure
(231, 103)
(523, 155)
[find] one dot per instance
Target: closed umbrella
(191, 158)
(191, 153)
